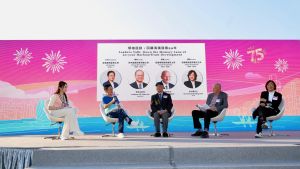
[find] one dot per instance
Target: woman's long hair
(61, 84)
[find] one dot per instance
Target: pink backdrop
(23, 83)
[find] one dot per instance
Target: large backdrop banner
(137, 67)
(31, 69)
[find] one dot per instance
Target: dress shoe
(165, 134)
(197, 133)
(205, 135)
(157, 134)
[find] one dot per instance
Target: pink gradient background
(81, 74)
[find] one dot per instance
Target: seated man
(161, 105)
(215, 103)
(114, 110)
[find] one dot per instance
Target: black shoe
(157, 134)
(165, 134)
(197, 133)
(205, 134)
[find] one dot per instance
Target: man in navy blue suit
(161, 105)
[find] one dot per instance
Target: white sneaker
(259, 135)
(120, 135)
(134, 123)
(79, 133)
(63, 138)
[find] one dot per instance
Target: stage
(231, 150)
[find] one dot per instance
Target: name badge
(165, 96)
(275, 98)
(218, 101)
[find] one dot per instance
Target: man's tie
(140, 86)
(166, 87)
(160, 97)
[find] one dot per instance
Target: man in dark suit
(165, 79)
(216, 101)
(161, 105)
(192, 82)
(111, 77)
(139, 80)
(269, 103)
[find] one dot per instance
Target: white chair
(281, 108)
(54, 121)
(218, 118)
(270, 119)
(108, 120)
(148, 112)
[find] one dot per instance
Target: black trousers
(201, 114)
(262, 113)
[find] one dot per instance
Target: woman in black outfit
(269, 102)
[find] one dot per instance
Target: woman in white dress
(59, 107)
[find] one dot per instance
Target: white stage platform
(236, 150)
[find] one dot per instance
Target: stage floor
(142, 140)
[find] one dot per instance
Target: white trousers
(70, 120)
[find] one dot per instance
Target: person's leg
(255, 112)
(196, 114)
(74, 126)
(260, 121)
(208, 115)
(165, 120)
(269, 112)
(120, 117)
(125, 115)
(67, 119)
(260, 111)
(157, 122)
(263, 113)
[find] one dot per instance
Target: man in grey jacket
(216, 101)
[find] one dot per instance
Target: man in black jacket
(161, 105)
(269, 103)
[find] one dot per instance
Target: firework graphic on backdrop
(22, 57)
(281, 65)
(233, 59)
(54, 61)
